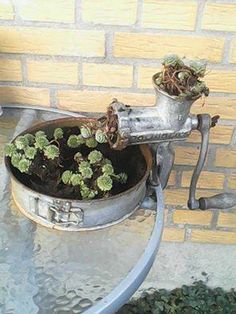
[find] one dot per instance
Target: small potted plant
(181, 80)
(65, 175)
(178, 86)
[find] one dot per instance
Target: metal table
(48, 271)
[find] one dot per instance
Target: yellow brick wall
(79, 54)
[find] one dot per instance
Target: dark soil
(45, 175)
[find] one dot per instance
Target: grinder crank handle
(204, 125)
(219, 201)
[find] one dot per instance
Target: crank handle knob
(218, 201)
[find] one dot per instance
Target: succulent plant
(94, 174)
(72, 141)
(66, 176)
(80, 139)
(30, 138)
(91, 142)
(87, 193)
(78, 157)
(40, 133)
(84, 164)
(95, 156)
(85, 170)
(58, 133)
(107, 161)
(172, 60)
(86, 173)
(51, 152)
(183, 75)
(108, 169)
(10, 149)
(181, 80)
(199, 68)
(122, 177)
(30, 152)
(21, 142)
(24, 165)
(15, 159)
(104, 182)
(41, 141)
(86, 132)
(75, 179)
(100, 136)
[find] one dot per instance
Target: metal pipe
(127, 287)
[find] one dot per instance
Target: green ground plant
(194, 299)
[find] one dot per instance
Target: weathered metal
(168, 120)
(76, 215)
(159, 125)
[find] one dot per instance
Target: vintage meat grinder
(160, 125)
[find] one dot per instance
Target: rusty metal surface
(45, 271)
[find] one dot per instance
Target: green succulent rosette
(66, 176)
(104, 182)
(95, 156)
(41, 142)
(51, 152)
(30, 152)
(24, 165)
(10, 149)
(58, 134)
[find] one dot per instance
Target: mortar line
(82, 26)
(78, 12)
(139, 14)
(53, 100)
(24, 71)
(199, 16)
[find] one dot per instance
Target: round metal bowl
(71, 214)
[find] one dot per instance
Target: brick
(186, 155)
(47, 10)
(227, 220)
(53, 72)
(149, 45)
(224, 106)
(221, 81)
(173, 235)
(232, 181)
(10, 70)
(207, 180)
(221, 134)
(192, 217)
(233, 52)
(172, 178)
(145, 75)
(225, 158)
(165, 14)
(6, 10)
(91, 101)
(216, 237)
(110, 75)
(219, 17)
(179, 197)
(122, 12)
(24, 95)
(47, 41)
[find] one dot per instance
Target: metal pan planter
(71, 214)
